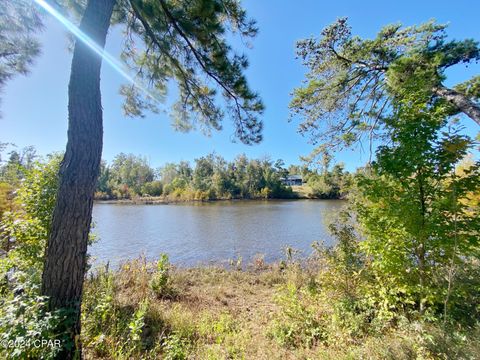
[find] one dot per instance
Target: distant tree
(298, 170)
(184, 170)
(184, 41)
(3, 146)
(239, 171)
(353, 82)
(203, 172)
(221, 180)
(280, 168)
(19, 161)
(130, 170)
(103, 183)
(152, 188)
(19, 24)
(168, 172)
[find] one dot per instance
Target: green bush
(160, 284)
(27, 329)
(6, 195)
(109, 328)
(175, 347)
(152, 188)
(24, 230)
(299, 323)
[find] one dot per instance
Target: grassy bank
(146, 310)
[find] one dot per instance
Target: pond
(210, 232)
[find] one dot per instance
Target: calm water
(209, 232)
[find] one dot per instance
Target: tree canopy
(19, 23)
(352, 82)
(187, 42)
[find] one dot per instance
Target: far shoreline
(165, 201)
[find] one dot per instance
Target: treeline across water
(212, 177)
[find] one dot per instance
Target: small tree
(411, 208)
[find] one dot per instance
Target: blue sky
(34, 108)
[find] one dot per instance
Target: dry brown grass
(227, 314)
(302, 191)
(201, 299)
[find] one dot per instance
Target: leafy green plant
(175, 347)
(24, 230)
(108, 327)
(99, 312)
(418, 231)
(137, 323)
(299, 322)
(223, 336)
(28, 329)
(160, 283)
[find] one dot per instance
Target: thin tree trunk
(462, 102)
(65, 258)
(421, 239)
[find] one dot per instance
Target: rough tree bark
(65, 257)
(460, 101)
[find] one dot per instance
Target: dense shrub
(152, 188)
(27, 329)
(161, 282)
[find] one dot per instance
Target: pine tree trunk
(65, 258)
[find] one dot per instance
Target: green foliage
(212, 177)
(226, 334)
(353, 84)
(223, 327)
(414, 209)
(161, 282)
(332, 184)
(100, 305)
(340, 306)
(19, 162)
(25, 229)
(25, 322)
(299, 322)
(136, 326)
(19, 25)
(175, 347)
(199, 28)
(129, 172)
(109, 328)
(152, 188)
(327, 307)
(342, 264)
(6, 199)
(188, 42)
(418, 230)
